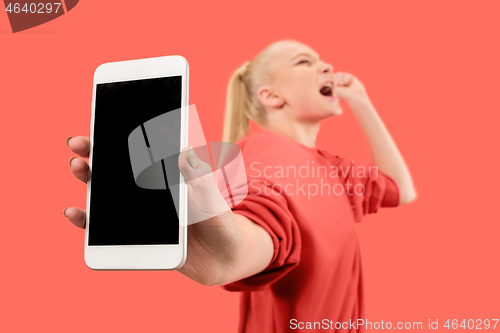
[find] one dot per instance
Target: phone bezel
(141, 257)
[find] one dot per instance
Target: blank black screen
(121, 213)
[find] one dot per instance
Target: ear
(268, 96)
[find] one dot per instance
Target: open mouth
(326, 89)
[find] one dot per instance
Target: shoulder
(264, 143)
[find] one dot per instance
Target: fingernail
(192, 159)
(64, 211)
(67, 140)
(71, 159)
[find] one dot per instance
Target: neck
(303, 132)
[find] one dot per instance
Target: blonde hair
(242, 99)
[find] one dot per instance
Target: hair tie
(243, 69)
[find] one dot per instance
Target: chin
(335, 111)
(338, 111)
(330, 108)
(322, 111)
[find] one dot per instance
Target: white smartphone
(130, 227)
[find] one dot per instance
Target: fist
(347, 87)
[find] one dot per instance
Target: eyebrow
(304, 54)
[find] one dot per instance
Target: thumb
(191, 166)
(205, 199)
(197, 173)
(341, 92)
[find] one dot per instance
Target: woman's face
(305, 82)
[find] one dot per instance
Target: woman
(291, 246)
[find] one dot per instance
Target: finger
(79, 145)
(339, 79)
(344, 79)
(79, 168)
(191, 167)
(348, 79)
(75, 216)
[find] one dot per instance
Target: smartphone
(132, 227)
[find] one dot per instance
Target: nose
(326, 68)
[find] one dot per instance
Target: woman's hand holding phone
(220, 250)
(79, 145)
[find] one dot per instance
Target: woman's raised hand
(348, 87)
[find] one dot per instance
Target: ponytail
(237, 107)
(242, 95)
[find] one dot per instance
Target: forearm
(256, 250)
(385, 153)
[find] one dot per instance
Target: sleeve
(269, 209)
(367, 188)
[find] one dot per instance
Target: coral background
(431, 69)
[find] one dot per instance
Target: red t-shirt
(309, 201)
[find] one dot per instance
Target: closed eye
(303, 62)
